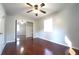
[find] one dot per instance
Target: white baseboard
(58, 43)
(9, 41)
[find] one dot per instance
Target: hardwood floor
(36, 46)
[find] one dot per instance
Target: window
(48, 26)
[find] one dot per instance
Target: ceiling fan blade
(43, 11)
(29, 4)
(42, 4)
(29, 11)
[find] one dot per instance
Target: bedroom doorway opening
(23, 31)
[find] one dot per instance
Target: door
(29, 29)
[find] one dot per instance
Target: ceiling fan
(36, 8)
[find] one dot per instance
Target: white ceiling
(22, 8)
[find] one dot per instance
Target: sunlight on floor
(69, 43)
(72, 52)
(48, 52)
(22, 49)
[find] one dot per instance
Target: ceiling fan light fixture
(22, 21)
(36, 11)
(36, 8)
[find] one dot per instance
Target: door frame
(16, 29)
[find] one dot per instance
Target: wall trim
(58, 43)
(9, 41)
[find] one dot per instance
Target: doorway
(23, 30)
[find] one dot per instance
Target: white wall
(10, 28)
(70, 18)
(2, 28)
